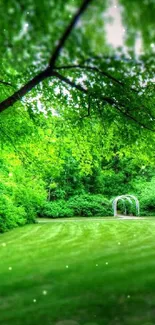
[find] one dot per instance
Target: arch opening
(127, 197)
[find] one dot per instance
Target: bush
(10, 215)
(31, 197)
(90, 205)
(82, 205)
(56, 209)
(21, 197)
(148, 205)
(146, 196)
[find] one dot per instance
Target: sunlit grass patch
(97, 272)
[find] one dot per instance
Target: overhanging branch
(68, 31)
(11, 100)
(118, 106)
(5, 83)
(19, 94)
(90, 68)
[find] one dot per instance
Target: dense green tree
(79, 73)
(77, 115)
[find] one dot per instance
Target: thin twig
(87, 67)
(6, 83)
(108, 100)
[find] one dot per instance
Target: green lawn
(99, 272)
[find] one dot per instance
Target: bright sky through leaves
(116, 31)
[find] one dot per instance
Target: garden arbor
(130, 198)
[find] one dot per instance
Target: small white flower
(3, 244)
(67, 266)
(34, 300)
(44, 292)
(96, 264)
(10, 268)
(128, 296)
(106, 263)
(119, 243)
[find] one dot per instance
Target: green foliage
(11, 216)
(67, 151)
(115, 86)
(109, 183)
(146, 194)
(56, 209)
(148, 205)
(79, 205)
(30, 194)
(124, 207)
(21, 195)
(90, 205)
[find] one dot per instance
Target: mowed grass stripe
(87, 274)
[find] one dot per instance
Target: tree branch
(48, 71)
(24, 90)
(101, 72)
(87, 67)
(108, 100)
(68, 31)
(69, 82)
(6, 83)
(80, 88)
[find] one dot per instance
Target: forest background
(76, 126)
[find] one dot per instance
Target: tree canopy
(76, 100)
(56, 49)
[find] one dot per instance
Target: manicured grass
(91, 272)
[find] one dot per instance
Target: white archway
(127, 197)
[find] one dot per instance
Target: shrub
(146, 196)
(21, 197)
(90, 205)
(148, 205)
(31, 197)
(10, 215)
(56, 209)
(129, 207)
(79, 205)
